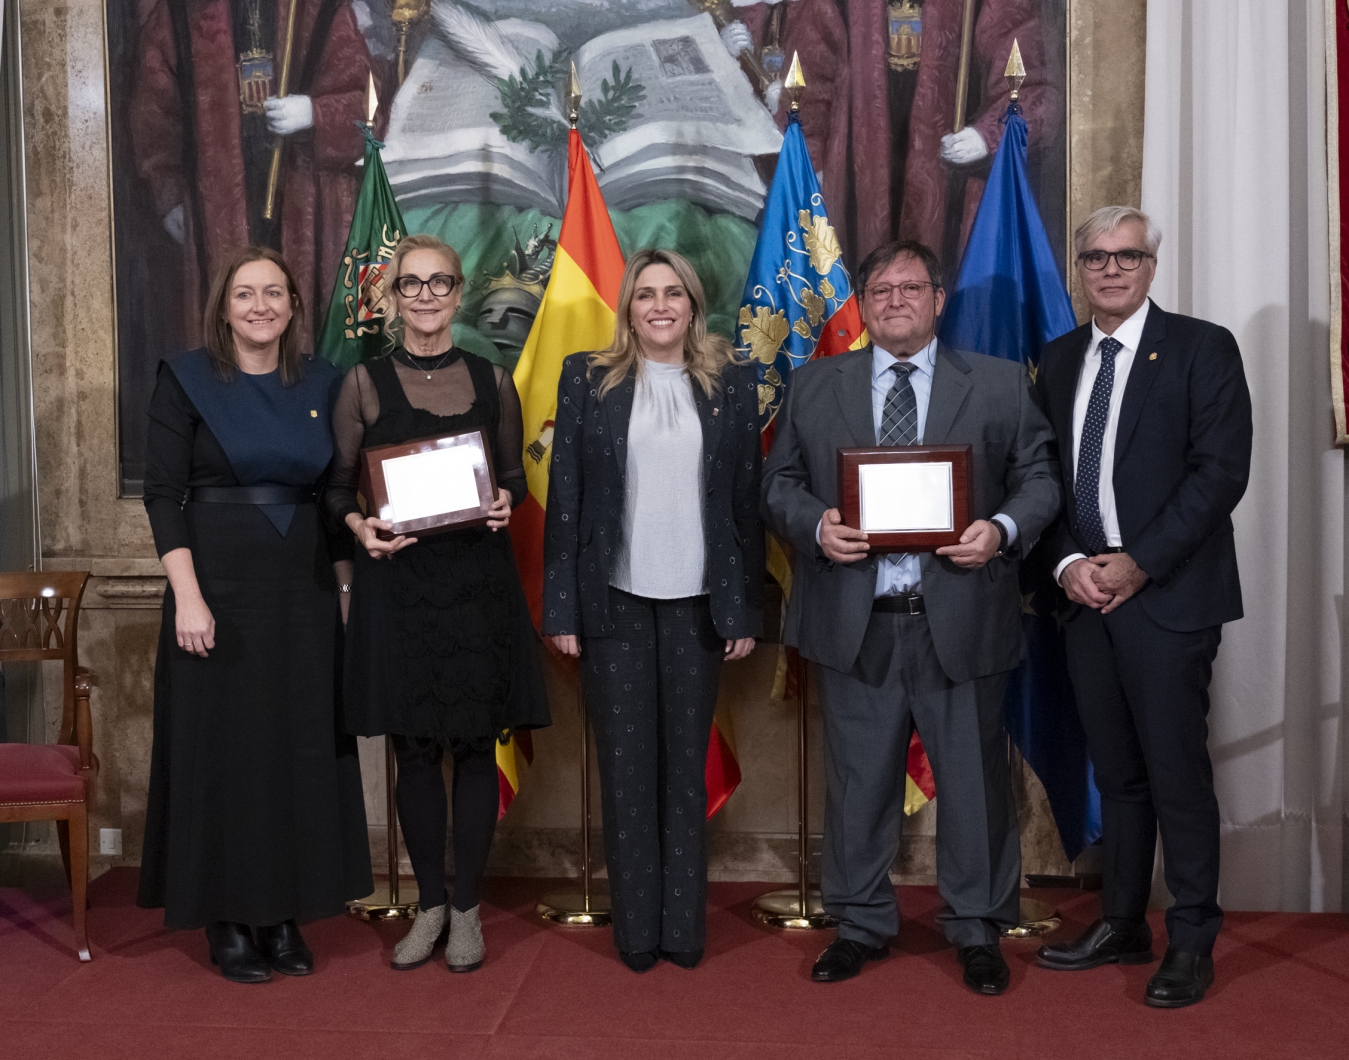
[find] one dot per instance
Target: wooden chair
(39, 614)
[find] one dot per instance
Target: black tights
(422, 815)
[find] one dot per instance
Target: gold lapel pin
(716, 412)
(314, 413)
(1152, 356)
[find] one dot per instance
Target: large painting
(683, 107)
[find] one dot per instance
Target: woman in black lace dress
(440, 650)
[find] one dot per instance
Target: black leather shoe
(1182, 980)
(1100, 944)
(844, 959)
(985, 970)
(641, 961)
(233, 950)
(683, 958)
(285, 949)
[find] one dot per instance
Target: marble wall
(85, 525)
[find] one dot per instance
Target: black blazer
(1182, 459)
(583, 527)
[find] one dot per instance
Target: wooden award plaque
(916, 500)
(430, 485)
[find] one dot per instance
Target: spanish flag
(578, 312)
(799, 305)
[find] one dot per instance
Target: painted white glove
(289, 115)
(175, 224)
(964, 147)
(772, 95)
(737, 38)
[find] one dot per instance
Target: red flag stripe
(587, 233)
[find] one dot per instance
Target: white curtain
(1234, 171)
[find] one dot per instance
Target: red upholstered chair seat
(37, 773)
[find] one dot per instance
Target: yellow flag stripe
(572, 318)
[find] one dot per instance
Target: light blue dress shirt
(900, 572)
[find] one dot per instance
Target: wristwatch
(1002, 537)
(344, 587)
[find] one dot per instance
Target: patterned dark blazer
(584, 524)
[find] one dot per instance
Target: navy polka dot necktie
(1087, 480)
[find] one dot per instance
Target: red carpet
(547, 992)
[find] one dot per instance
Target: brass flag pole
(800, 906)
(395, 899)
(1035, 918)
(588, 907)
(274, 174)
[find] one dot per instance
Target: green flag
(361, 304)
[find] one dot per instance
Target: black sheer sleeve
(508, 447)
(356, 408)
(168, 460)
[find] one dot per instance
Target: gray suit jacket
(974, 614)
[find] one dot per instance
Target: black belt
(249, 495)
(901, 604)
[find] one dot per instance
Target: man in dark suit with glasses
(1153, 421)
(905, 640)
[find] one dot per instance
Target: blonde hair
(1108, 218)
(423, 242)
(705, 355)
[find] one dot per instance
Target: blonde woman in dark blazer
(653, 576)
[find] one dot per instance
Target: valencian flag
(360, 304)
(1009, 301)
(799, 305)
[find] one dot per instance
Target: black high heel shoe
(233, 950)
(285, 950)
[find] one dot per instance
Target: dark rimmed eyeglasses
(912, 290)
(410, 286)
(1128, 260)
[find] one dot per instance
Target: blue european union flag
(1009, 301)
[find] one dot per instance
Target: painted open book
(667, 114)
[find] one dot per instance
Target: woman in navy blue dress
(255, 818)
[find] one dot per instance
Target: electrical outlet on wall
(110, 841)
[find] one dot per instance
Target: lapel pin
(1152, 356)
(313, 414)
(716, 412)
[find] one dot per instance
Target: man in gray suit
(904, 640)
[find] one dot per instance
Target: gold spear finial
(573, 97)
(1016, 69)
(371, 102)
(795, 83)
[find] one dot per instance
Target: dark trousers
(422, 815)
(650, 690)
(1142, 692)
(869, 716)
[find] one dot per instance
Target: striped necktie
(899, 426)
(899, 418)
(1087, 478)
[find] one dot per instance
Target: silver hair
(1108, 218)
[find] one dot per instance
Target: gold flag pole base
(574, 909)
(589, 906)
(401, 904)
(395, 898)
(782, 909)
(1038, 919)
